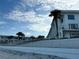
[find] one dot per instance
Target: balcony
(70, 30)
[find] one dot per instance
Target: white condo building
(68, 25)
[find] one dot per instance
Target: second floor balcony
(71, 30)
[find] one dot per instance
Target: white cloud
(27, 33)
(14, 30)
(45, 9)
(40, 23)
(39, 27)
(66, 4)
(23, 16)
(59, 4)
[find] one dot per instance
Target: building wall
(65, 24)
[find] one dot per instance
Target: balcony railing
(71, 30)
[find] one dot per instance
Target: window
(62, 16)
(73, 26)
(74, 35)
(71, 17)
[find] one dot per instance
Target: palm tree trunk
(56, 22)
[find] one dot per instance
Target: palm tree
(10, 37)
(20, 35)
(40, 37)
(56, 14)
(33, 37)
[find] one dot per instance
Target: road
(61, 52)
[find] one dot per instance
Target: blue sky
(30, 16)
